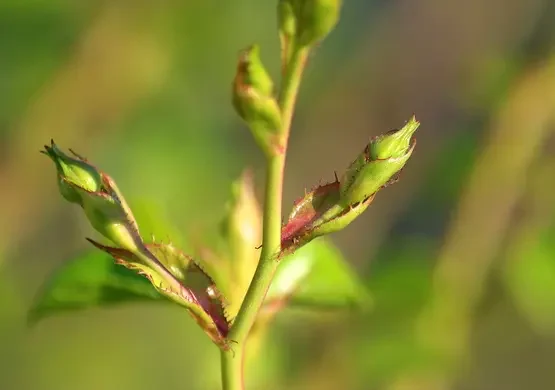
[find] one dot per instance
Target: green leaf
(530, 279)
(316, 276)
(167, 275)
(91, 280)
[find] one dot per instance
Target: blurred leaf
(89, 281)
(530, 278)
(453, 163)
(240, 234)
(38, 38)
(241, 227)
(316, 277)
(491, 80)
(400, 283)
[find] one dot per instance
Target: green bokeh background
(459, 255)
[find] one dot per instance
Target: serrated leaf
(88, 281)
(317, 277)
(96, 280)
(179, 278)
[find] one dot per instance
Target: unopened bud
(381, 160)
(287, 26)
(105, 208)
(287, 17)
(309, 20)
(394, 143)
(73, 171)
(254, 100)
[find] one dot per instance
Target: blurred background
(459, 255)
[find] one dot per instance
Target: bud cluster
(302, 23)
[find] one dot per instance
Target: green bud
(252, 72)
(73, 171)
(254, 101)
(98, 195)
(316, 19)
(381, 160)
(287, 18)
(395, 143)
(287, 26)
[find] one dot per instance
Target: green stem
(271, 242)
(271, 238)
(290, 88)
(232, 370)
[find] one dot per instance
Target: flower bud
(254, 101)
(394, 143)
(105, 208)
(381, 160)
(73, 172)
(314, 19)
(287, 18)
(287, 27)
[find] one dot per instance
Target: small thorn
(336, 178)
(258, 247)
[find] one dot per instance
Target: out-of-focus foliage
(457, 255)
(89, 281)
(316, 277)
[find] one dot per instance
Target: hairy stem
(271, 239)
